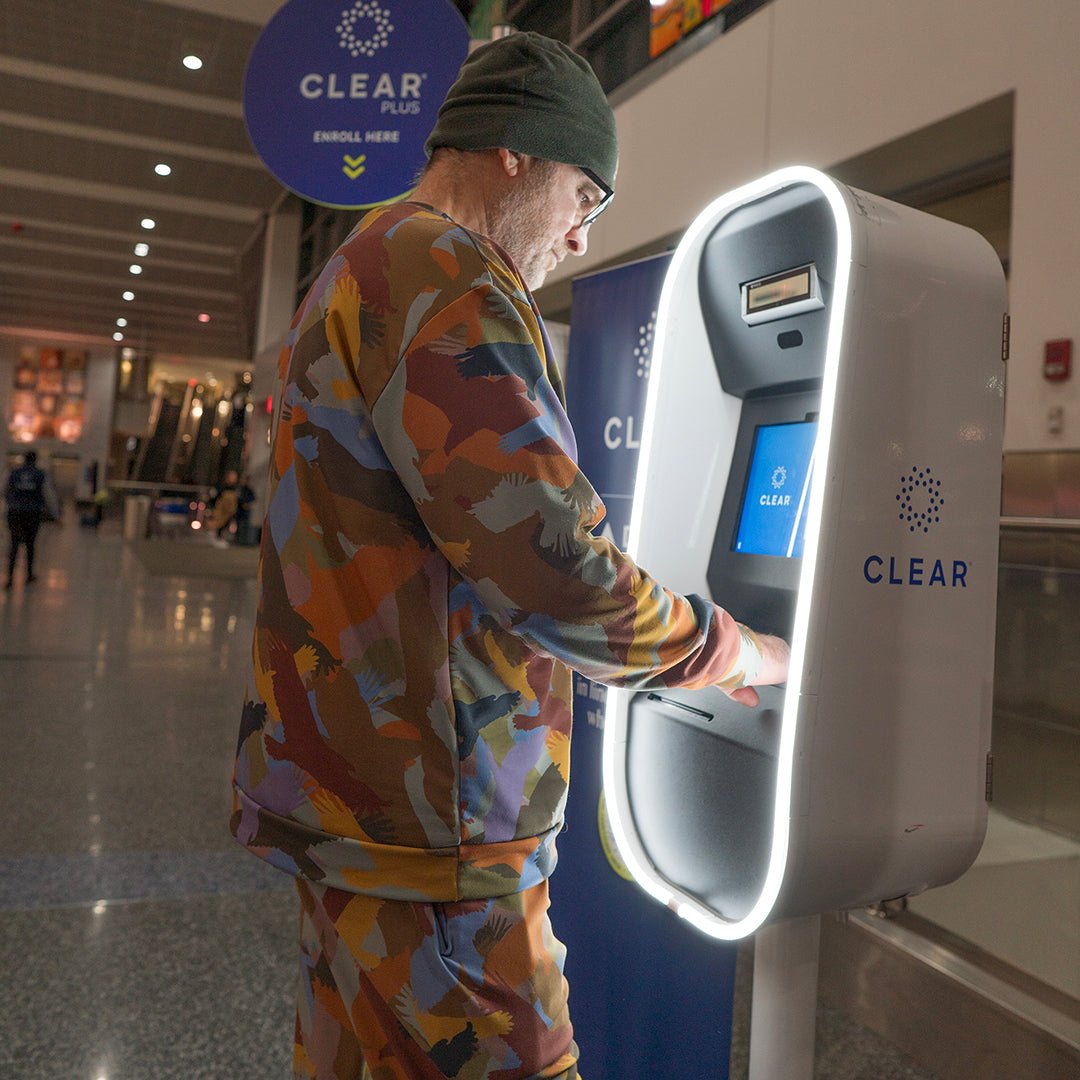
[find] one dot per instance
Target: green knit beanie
(533, 95)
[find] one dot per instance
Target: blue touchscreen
(772, 520)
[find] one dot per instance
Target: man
(26, 505)
(428, 577)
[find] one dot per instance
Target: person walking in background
(26, 496)
(428, 576)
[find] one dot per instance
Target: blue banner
(650, 997)
(340, 95)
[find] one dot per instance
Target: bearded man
(428, 578)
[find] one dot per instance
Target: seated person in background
(232, 503)
(225, 505)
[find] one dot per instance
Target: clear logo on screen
(772, 519)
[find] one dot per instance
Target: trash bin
(172, 515)
(136, 516)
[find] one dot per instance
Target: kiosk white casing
(866, 778)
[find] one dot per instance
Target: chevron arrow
(353, 166)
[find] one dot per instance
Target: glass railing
(1020, 902)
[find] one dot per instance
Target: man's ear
(511, 161)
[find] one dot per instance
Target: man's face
(538, 221)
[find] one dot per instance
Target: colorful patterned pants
(391, 990)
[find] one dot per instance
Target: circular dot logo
(779, 477)
(643, 349)
(364, 28)
(921, 500)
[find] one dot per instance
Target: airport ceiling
(93, 98)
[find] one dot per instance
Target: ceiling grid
(93, 95)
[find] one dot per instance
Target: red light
(203, 317)
(270, 406)
(16, 226)
(1057, 360)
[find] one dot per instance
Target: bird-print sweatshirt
(428, 579)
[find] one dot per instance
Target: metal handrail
(149, 486)
(1054, 523)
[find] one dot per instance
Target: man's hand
(776, 654)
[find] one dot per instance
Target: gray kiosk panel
(788, 231)
(718, 845)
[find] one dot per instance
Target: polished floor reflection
(137, 941)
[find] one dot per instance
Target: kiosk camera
(822, 457)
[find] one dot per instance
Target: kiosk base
(784, 1009)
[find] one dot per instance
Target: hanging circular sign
(339, 96)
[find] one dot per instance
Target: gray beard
(519, 224)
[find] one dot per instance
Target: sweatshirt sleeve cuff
(748, 664)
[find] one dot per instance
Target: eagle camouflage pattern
(409, 991)
(427, 579)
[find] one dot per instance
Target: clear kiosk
(822, 457)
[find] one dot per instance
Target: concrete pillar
(277, 304)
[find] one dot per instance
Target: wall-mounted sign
(339, 96)
(671, 21)
(49, 395)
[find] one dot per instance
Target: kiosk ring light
(796, 318)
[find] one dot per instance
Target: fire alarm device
(1057, 360)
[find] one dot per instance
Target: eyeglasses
(603, 204)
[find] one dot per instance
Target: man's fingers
(745, 695)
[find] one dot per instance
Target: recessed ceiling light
(135, 268)
(162, 169)
(142, 250)
(118, 336)
(121, 323)
(203, 317)
(192, 62)
(148, 223)
(127, 294)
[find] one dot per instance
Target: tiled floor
(137, 942)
